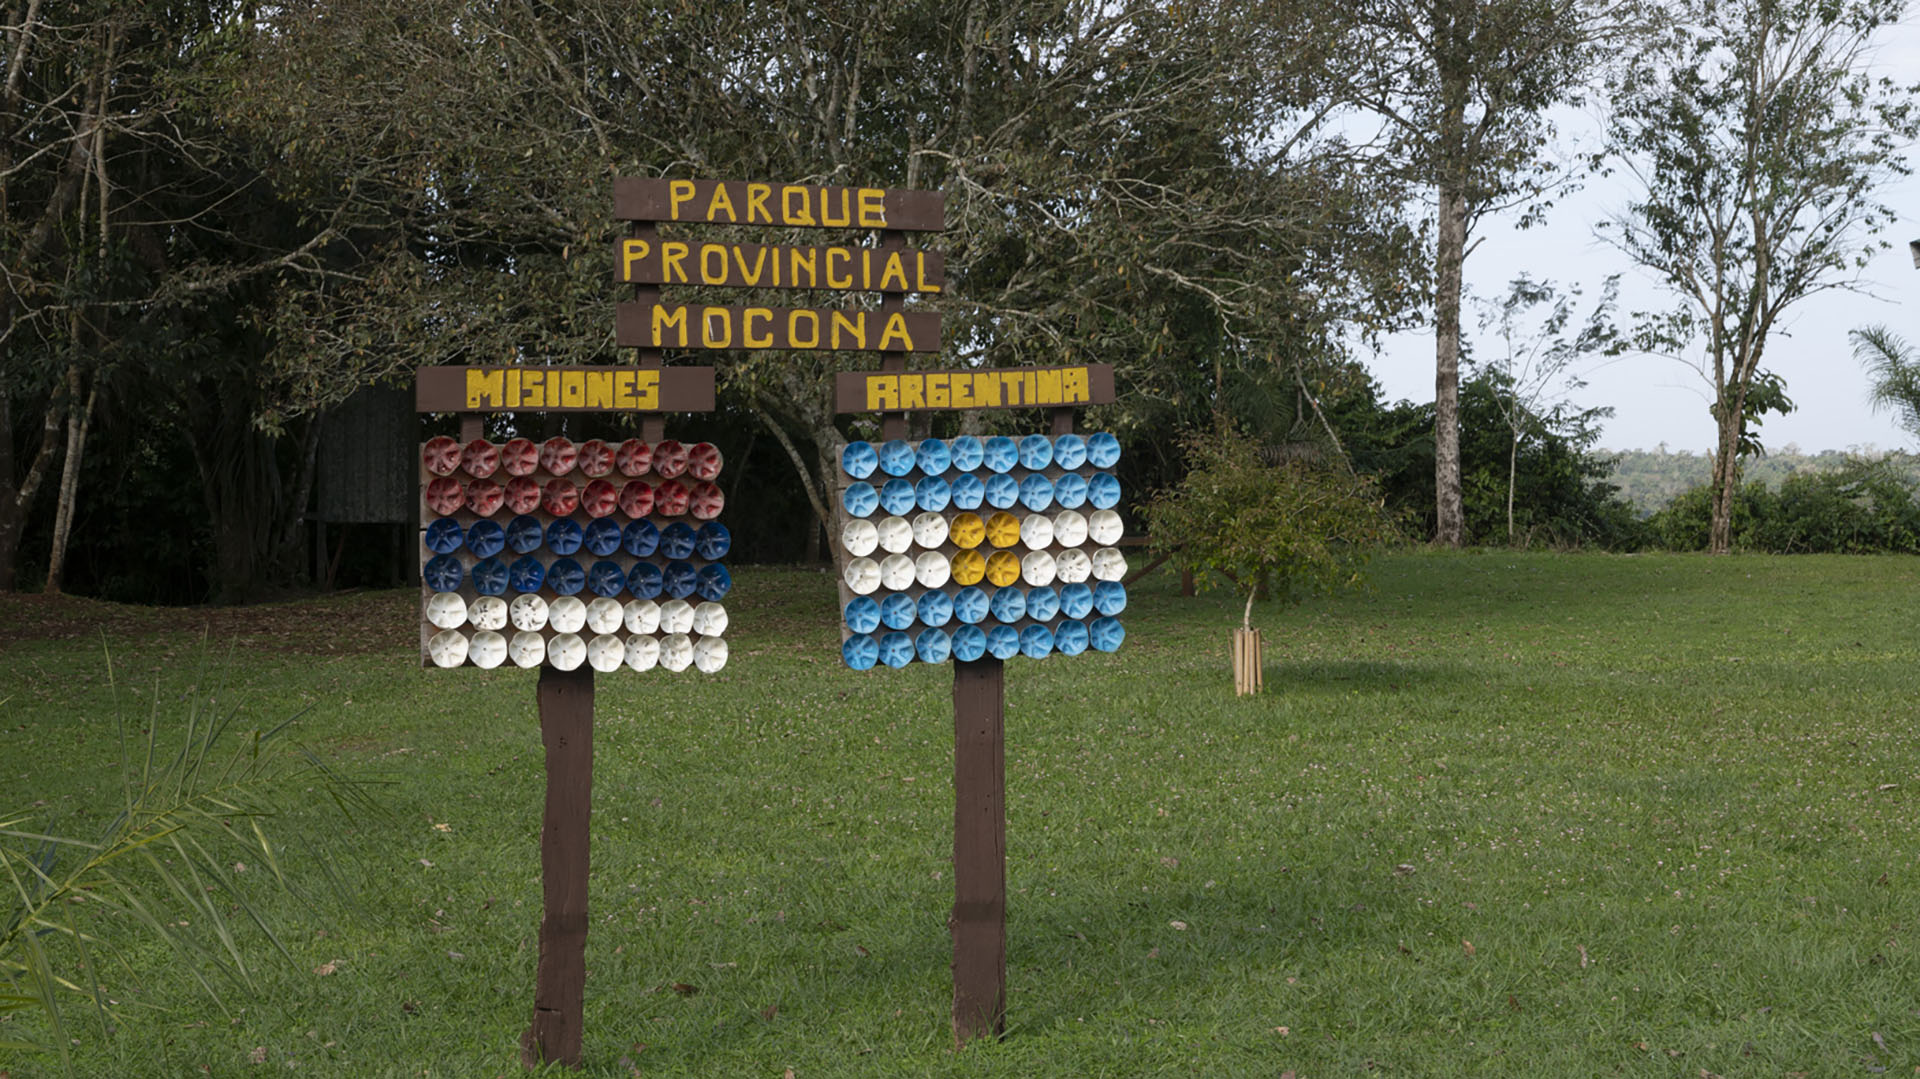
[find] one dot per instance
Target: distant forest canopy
(1649, 479)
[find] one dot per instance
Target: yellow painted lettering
(713, 264)
(599, 389)
(716, 327)
(672, 253)
(920, 283)
(623, 389)
(533, 389)
(647, 388)
(721, 203)
(794, 207)
(751, 277)
(757, 204)
(485, 387)
(803, 259)
(846, 207)
(986, 390)
(797, 317)
(513, 388)
(669, 318)
(873, 208)
(895, 269)
(765, 338)
(573, 389)
(632, 251)
(883, 392)
(962, 386)
(913, 391)
(1074, 388)
(678, 192)
(1029, 387)
(1010, 388)
(1047, 391)
(855, 325)
(937, 395)
(845, 279)
(896, 330)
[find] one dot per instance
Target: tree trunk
(78, 420)
(1513, 464)
(1450, 254)
(17, 499)
(1726, 481)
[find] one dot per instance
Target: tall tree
(1464, 89)
(1533, 364)
(1756, 138)
(130, 232)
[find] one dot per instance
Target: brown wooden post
(566, 726)
(979, 921)
(892, 424)
(653, 426)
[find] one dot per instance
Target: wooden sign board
(993, 387)
(735, 202)
(660, 325)
(642, 261)
(564, 389)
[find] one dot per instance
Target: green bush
(1289, 530)
(1865, 507)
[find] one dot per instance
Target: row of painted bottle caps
(446, 495)
(569, 614)
(998, 453)
(971, 606)
(445, 573)
(525, 534)
(557, 456)
(567, 651)
(969, 492)
(863, 650)
(932, 569)
(896, 535)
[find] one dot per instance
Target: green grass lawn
(1507, 814)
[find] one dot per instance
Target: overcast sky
(1662, 400)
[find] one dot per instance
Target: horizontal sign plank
(726, 265)
(738, 202)
(660, 325)
(991, 387)
(564, 389)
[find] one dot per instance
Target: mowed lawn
(1504, 815)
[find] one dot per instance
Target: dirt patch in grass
(342, 623)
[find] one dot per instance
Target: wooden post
(979, 921)
(566, 726)
(653, 426)
(1248, 656)
(892, 424)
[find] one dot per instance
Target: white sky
(1663, 400)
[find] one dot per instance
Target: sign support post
(559, 993)
(979, 921)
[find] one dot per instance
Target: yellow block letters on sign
(510, 388)
(1000, 388)
(780, 204)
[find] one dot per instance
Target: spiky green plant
(165, 868)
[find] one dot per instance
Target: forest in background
(1650, 479)
(220, 221)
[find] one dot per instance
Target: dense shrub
(1562, 494)
(1867, 506)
